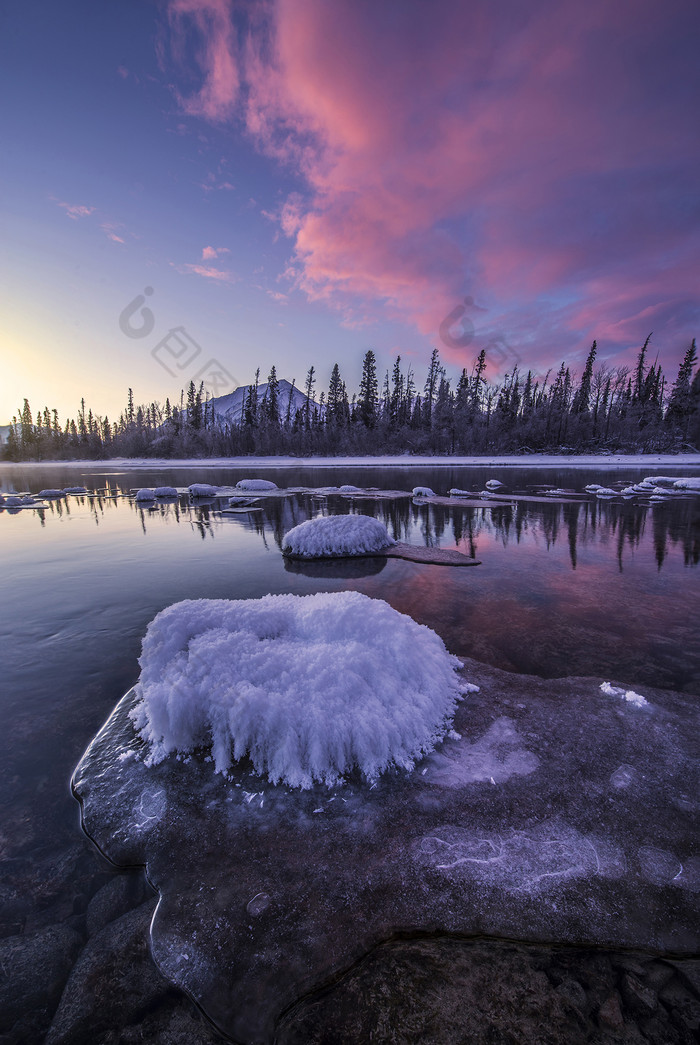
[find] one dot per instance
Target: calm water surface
(608, 589)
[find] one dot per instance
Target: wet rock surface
(562, 814)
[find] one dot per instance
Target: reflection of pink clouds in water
(525, 609)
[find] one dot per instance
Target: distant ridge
(230, 407)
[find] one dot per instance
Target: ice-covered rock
(145, 495)
(165, 491)
(456, 492)
(51, 494)
(687, 484)
(348, 488)
(423, 491)
(308, 687)
(336, 536)
(203, 490)
(605, 491)
(553, 812)
(75, 489)
(593, 488)
(256, 484)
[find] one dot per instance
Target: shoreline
(397, 461)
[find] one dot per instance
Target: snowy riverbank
(402, 460)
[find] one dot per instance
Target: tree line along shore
(624, 409)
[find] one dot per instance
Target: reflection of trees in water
(674, 523)
(677, 524)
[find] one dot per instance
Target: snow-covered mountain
(230, 407)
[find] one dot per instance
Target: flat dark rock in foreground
(429, 555)
(563, 814)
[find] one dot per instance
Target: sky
(192, 189)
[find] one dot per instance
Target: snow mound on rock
(335, 536)
(256, 484)
(203, 490)
(423, 491)
(165, 491)
(51, 494)
(309, 687)
(145, 494)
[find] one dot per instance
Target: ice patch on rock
(496, 756)
(336, 536)
(521, 861)
(308, 687)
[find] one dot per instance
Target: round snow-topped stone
(308, 687)
(336, 536)
(203, 490)
(256, 484)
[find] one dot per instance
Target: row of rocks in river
(93, 981)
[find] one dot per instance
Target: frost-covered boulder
(51, 494)
(145, 495)
(165, 491)
(423, 491)
(336, 536)
(203, 490)
(256, 484)
(308, 687)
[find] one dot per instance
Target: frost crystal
(309, 687)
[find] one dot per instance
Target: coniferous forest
(620, 409)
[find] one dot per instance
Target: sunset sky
(296, 181)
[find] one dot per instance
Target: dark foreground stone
(561, 813)
(453, 992)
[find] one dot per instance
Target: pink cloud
(539, 158)
(207, 272)
(76, 210)
(210, 253)
(210, 23)
(109, 228)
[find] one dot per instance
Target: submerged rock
(520, 826)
